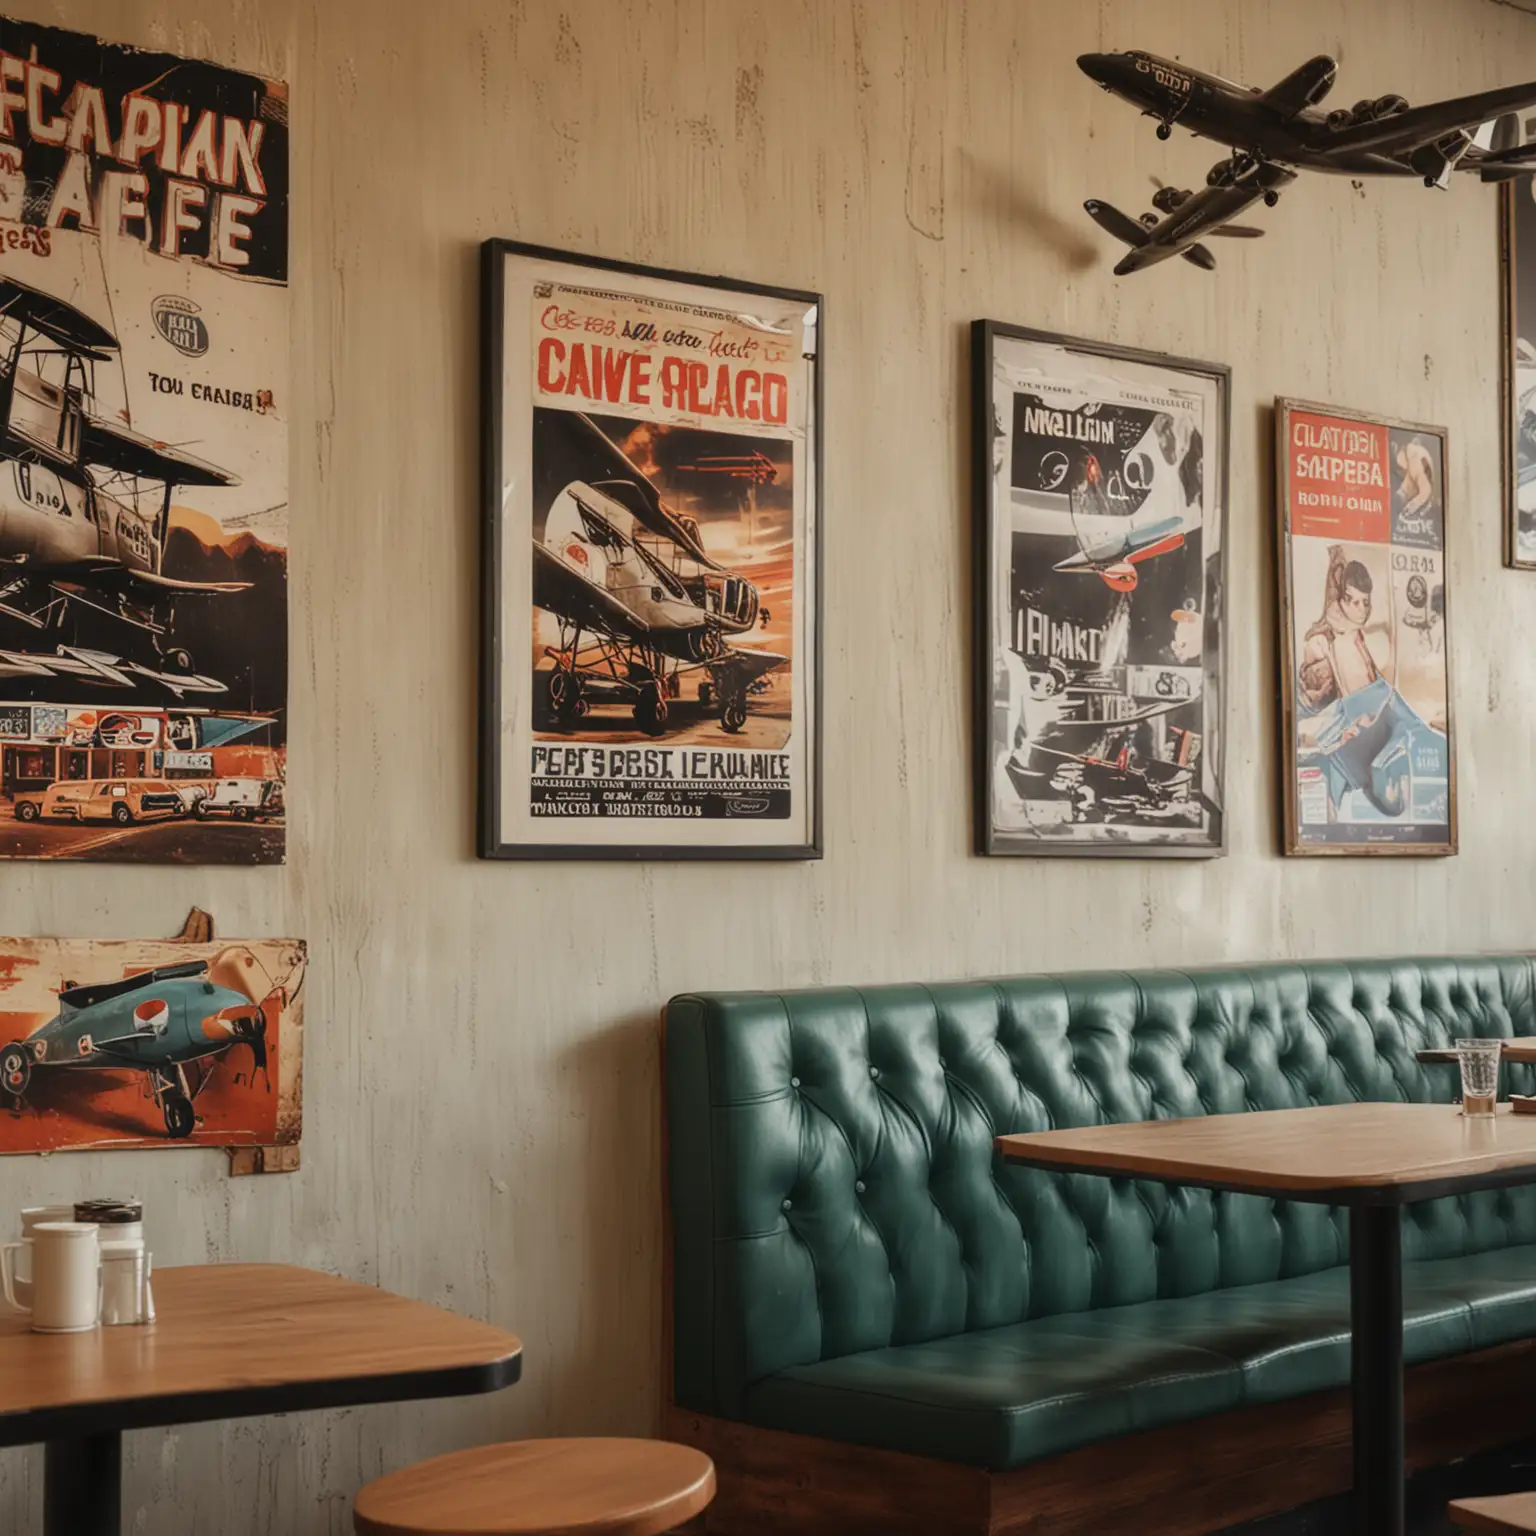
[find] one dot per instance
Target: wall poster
(150, 1043)
(1518, 223)
(1369, 765)
(651, 667)
(1100, 484)
(143, 454)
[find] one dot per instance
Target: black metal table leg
(1376, 1367)
(83, 1486)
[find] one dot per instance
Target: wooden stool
(1505, 1515)
(542, 1488)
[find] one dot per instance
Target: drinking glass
(1479, 1074)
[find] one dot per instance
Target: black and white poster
(652, 668)
(1101, 508)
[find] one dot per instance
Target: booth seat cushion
(1000, 1397)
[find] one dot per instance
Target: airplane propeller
(239, 970)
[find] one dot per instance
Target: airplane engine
(1119, 578)
(1434, 161)
(1340, 117)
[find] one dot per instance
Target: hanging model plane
(639, 600)
(1274, 134)
(85, 503)
(173, 1023)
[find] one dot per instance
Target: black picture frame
(1517, 275)
(989, 840)
(491, 841)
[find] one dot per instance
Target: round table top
(542, 1488)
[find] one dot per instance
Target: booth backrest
(834, 1186)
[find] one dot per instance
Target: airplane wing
(1302, 88)
(560, 590)
(1403, 131)
(748, 666)
(1121, 225)
(88, 996)
(58, 321)
(114, 447)
(110, 576)
(576, 448)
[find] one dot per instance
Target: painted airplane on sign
(174, 1023)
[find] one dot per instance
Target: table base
(1376, 1367)
(83, 1486)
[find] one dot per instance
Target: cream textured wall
(482, 1124)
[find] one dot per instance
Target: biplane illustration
(85, 504)
(173, 1023)
(639, 600)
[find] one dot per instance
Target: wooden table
(230, 1340)
(1374, 1158)
(1502, 1516)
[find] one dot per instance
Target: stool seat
(542, 1488)
(1509, 1513)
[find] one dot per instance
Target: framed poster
(143, 454)
(1100, 485)
(651, 666)
(1517, 221)
(1369, 764)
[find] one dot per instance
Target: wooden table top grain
(542, 1488)
(1339, 1153)
(1501, 1516)
(231, 1340)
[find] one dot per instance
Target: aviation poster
(1519, 221)
(143, 454)
(652, 685)
(1369, 765)
(1101, 507)
(150, 1043)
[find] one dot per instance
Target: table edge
(111, 1415)
(1310, 1189)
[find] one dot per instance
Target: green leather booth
(851, 1259)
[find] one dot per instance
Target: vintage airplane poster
(143, 454)
(1369, 762)
(1100, 479)
(150, 1044)
(652, 670)
(1519, 232)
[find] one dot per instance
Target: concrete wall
(482, 1125)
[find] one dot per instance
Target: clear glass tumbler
(1479, 1074)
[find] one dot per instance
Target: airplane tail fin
(1507, 157)
(1121, 225)
(1201, 257)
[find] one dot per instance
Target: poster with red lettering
(143, 454)
(651, 670)
(1369, 754)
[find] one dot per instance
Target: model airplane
(638, 598)
(73, 532)
(1275, 133)
(162, 1022)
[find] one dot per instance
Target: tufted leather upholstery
(836, 1198)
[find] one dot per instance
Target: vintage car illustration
(240, 799)
(123, 801)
